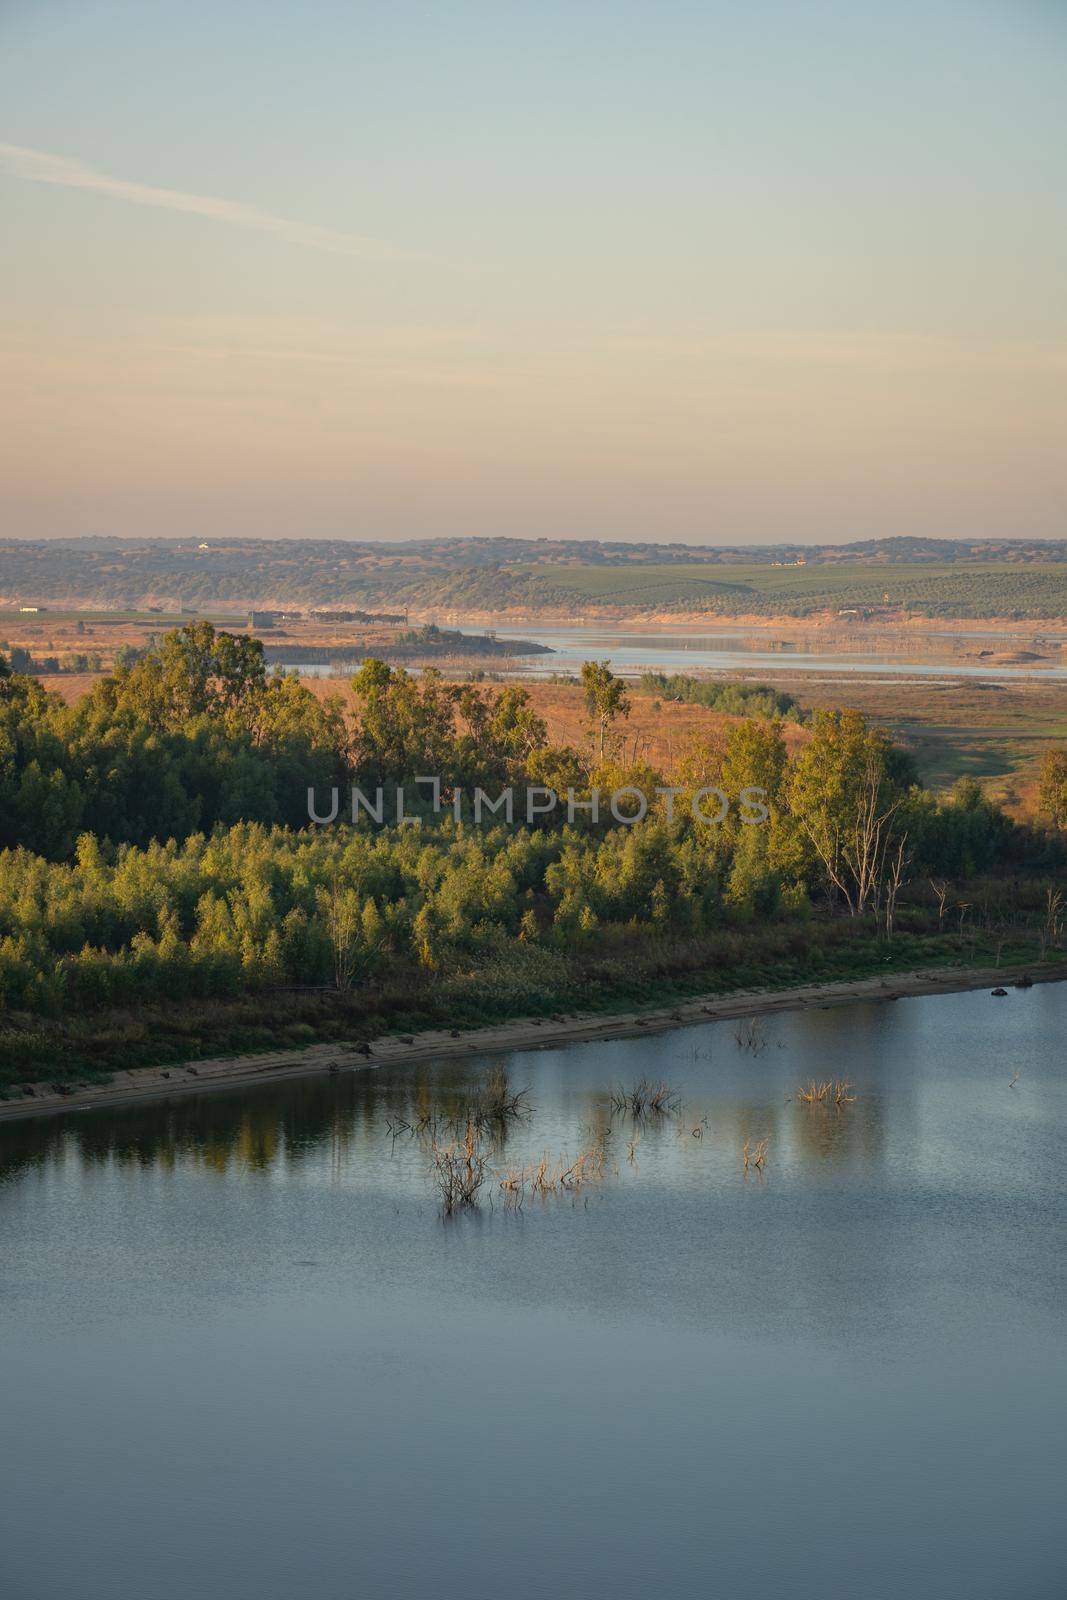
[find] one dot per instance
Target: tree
(940, 888)
(605, 699)
(1052, 793)
(753, 886)
(844, 791)
(700, 763)
(341, 911)
(407, 725)
(754, 757)
(501, 732)
(895, 881)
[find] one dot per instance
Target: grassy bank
(523, 982)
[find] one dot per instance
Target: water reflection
(354, 1121)
(250, 1353)
(727, 1093)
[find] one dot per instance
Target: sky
(685, 269)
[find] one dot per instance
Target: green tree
(754, 757)
(406, 726)
(844, 791)
(1052, 792)
(605, 700)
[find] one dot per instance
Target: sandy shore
(523, 1033)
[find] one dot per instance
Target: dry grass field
(996, 733)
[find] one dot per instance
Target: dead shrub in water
(815, 1093)
(493, 1104)
(645, 1099)
(545, 1177)
(459, 1170)
(839, 1090)
(754, 1155)
(570, 1174)
(513, 1184)
(494, 1101)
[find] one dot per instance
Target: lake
(895, 658)
(244, 1354)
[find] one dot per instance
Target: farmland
(949, 589)
(450, 578)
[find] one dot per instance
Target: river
(244, 1354)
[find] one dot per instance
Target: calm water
(657, 650)
(899, 659)
(244, 1356)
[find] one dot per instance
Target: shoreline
(138, 1085)
(904, 624)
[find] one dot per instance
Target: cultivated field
(930, 589)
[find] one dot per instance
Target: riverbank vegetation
(162, 894)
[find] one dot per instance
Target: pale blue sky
(660, 270)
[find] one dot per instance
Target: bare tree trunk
(894, 884)
(829, 853)
(865, 850)
(941, 891)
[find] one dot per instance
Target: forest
(156, 852)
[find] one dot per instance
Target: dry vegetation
(996, 731)
(754, 1155)
(833, 1091)
(459, 1169)
(645, 1099)
(549, 1175)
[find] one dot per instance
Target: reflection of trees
(603, 1123)
(303, 1120)
(249, 1130)
(254, 1146)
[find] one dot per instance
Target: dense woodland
(156, 842)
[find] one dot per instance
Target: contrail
(37, 166)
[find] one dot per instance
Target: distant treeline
(404, 645)
(23, 660)
(937, 578)
(737, 699)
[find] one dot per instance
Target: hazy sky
(719, 270)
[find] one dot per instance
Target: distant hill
(951, 578)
